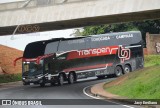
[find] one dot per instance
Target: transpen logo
(124, 53)
(98, 51)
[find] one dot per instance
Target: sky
(20, 41)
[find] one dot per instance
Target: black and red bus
(69, 59)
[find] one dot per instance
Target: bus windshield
(32, 68)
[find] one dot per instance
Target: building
(152, 44)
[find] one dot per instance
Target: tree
(151, 26)
(121, 27)
(76, 33)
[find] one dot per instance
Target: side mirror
(14, 62)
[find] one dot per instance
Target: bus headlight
(39, 77)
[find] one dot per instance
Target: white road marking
(84, 91)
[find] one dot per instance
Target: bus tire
(42, 84)
(118, 71)
(60, 80)
(71, 78)
(53, 84)
(111, 76)
(24, 83)
(127, 69)
(101, 77)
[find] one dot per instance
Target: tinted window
(33, 50)
(68, 45)
(51, 47)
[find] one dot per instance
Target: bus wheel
(71, 78)
(42, 84)
(60, 79)
(24, 83)
(118, 71)
(127, 69)
(53, 84)
(101, 77)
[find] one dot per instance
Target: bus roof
(114, 33)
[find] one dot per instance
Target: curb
(97, 90)
(10, 85)
(1, 84)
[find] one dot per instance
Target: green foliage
(152, 26)
(93, 30)
(76, 33)
(10, 78)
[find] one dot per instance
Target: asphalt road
(67, 91)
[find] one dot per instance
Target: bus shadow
(66, 83)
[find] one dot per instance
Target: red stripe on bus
(92, 52)
(37, 60)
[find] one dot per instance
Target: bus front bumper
(33, 80)
(39, 80)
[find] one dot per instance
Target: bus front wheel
(101, 77)
(42, 84)
(24, 83)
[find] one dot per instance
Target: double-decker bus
(70, 59)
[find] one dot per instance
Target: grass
(10, 78)
(142, 84)
(152, 60)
